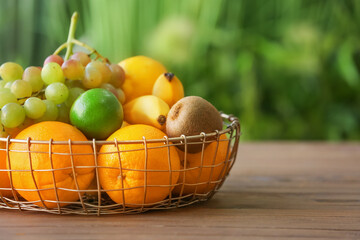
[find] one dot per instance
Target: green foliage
(288, 69)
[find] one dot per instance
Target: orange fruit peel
(144, 177)
(56, 177)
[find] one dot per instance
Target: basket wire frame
(96, 201)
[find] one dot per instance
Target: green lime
(97, 113)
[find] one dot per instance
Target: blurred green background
(289, 69)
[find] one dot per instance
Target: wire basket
(206, 177)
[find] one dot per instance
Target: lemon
(97, 113)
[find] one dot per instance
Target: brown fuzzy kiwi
(191, 116)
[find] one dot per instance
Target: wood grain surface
(275, 191)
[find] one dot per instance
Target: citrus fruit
(148, 109)
(140, 75)
(169, 88)
(137, 163)
(199, 174)
(73, 165)
(4, 178)
(97, 113)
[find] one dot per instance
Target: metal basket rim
(234, 122)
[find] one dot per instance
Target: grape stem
(60, 48)
(71, 35)
(33, 95)
(92, 50)
(71, 41)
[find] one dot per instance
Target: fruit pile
(46, 92)
(83, 97)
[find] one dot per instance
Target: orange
(202, 173)
(140, 75)
(4, 178)
(26, 182)
(132, 157)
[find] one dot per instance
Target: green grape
(34, 108)
(73, 69)
(51, 112)
(93, 77)
(9, 84)
(106, 72)
(103, 68)
(82, 57)
(3, 90)
(64, 112)
(57, 92)
(73, 84)
(11, 71)
(6, 97)
(32, 75)
(2, 84)
(52, 73)
(12, 115)
(21, 89)
(74, 93)
(117, 75)
(1, 129)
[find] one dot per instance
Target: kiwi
(191, 116)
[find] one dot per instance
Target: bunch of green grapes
(47, 93)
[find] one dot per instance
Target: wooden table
(275, 191)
